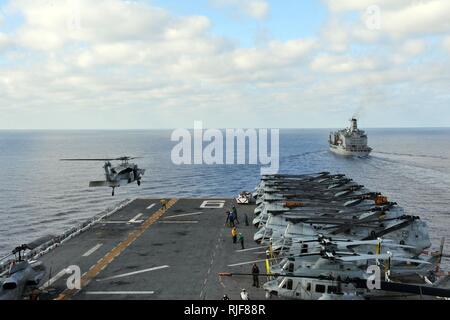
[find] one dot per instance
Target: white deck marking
(113, 222)
(179, 222)
(183, 215)
(212, 204)
(119, 292)
(134, 220)
(150, 206)
(122, 221)
(92, 250)
(54, 279)
(247, 262)
(248, 249)
(133, 273)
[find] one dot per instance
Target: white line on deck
(150, 206)
(54, 279)
(180, 222)
(113, 222)
(247, 262)
(134, 272)
(183, 215)
(134, 220)
(248, 249)
(119, 292)
(119, 222)
(92, 250)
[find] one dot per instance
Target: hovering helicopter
(124, 173)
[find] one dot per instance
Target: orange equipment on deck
(293, 204)
(380, 200)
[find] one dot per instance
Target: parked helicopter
(20, 276)
(321, 233)
(115, 176)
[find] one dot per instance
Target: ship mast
(354, 126)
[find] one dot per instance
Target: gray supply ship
(350, 141)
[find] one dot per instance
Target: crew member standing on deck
(255, 272)
(232, 220)
(246, 219)
(235, 215)
(241, 240)
(228, 218)
(163, 204)
(234, 234)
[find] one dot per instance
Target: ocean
(40, 195)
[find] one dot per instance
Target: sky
(115, 64)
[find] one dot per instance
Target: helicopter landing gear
(139, 182)
(113, 191)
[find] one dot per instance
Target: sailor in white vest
(244, 295)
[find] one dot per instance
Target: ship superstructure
(350, 141)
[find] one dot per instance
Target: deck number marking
(212, 204)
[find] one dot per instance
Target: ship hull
(349, 153)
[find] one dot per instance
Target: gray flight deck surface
(144, 252)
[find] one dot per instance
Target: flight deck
(146, 251)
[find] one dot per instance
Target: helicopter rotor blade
(40, 241)
(5, 257)
(125, 158)
(111, 159)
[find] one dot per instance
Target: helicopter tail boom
(94, 184)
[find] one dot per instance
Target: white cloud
(407, 50)
(336, 64)
(399, 18)
(276, 54)
(166, 70)
(446, 43)
(413, 47)
(418, 18)
(4, 40)
(350, 5)
(257, 9)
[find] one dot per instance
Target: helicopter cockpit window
(127, 170)
(320, 288)
(291, 267)
(304, 248)
(290, 284)
(332, 289)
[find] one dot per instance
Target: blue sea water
(41, 195)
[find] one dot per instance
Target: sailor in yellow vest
(234, 234)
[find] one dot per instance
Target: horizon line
(205, 128)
